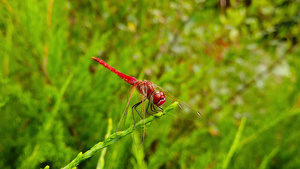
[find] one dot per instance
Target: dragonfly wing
(136, 105)
(136, 114)
(139, 135)
(181, 103)
(122, 121)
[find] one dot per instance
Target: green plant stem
(116, 136)
(100, 164)
(234, 144)
(268, 158)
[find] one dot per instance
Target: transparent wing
(140, 134)
(136, 107)
(139, 112)
(122, 122)
(182, 104)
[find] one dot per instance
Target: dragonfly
(148, 91)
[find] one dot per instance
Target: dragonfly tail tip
(199, 113)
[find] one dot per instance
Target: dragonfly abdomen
(129, 79)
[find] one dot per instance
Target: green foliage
(118, 135)
(233, 60)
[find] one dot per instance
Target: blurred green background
(232, 60)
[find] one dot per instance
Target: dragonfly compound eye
(158, 98)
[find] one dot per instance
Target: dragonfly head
(158, 98)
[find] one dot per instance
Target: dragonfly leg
(148, 107)
(150, 104)
(161, 109)
(134, 108)
(154, 109)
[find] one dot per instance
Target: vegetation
(236, 61)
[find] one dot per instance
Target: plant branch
(116, 136)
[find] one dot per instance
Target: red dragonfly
(148, 91)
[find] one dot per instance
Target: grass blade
(100, 164)
(234, 144)
(268, 158)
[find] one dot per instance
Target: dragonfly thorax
(147, 89)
